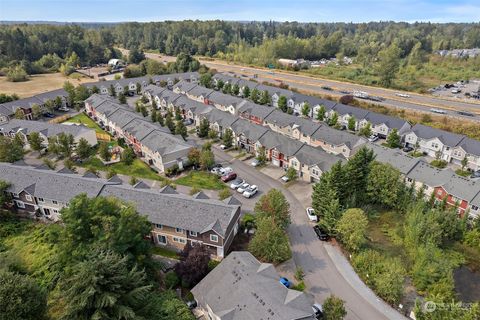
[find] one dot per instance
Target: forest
(386, 53)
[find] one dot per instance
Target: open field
(82, 118)
(202, 180)
(39, 83)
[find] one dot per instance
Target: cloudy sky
(279, 10)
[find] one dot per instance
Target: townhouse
(8, 109)
(254, 112)
(176, 219)
(310, 162)
(346, 112)
(153, 143)
(292, 126)
(278, 148)
(241, 287)
(382, 125)
(432, 141)
(469, 148)
(46, 130)
(247, 134)
(337, 142)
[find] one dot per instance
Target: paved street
(327, 271)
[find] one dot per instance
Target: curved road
(323, 275)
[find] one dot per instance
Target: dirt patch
(467, 284)
(38, 83)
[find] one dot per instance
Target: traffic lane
(321, 275)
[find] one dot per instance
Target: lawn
(201, 180)
(138, 168)
(82, 118)
(159, 251)
(38, 83)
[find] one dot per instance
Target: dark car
(327, 88)
(321, 233)
(475, 174)
(407, 149)
(48, 115)
(229, 177)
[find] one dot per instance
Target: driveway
(326, 269)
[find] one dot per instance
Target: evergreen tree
(169, 123)
(121, 98)
(366, 130)
(321, 113)
(153, 115)
(246, 92)
(83, 149)
(235, 89)
(104, 151)
(306, 109)
(228, 138)
(203, 128)
(282, 103)
(393, 139)
(264, 98)
(357, 170)
(35, 141)
(351, 123)
(181, 129)
(254, 95)
(333, 119)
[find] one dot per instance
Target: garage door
(276, 162)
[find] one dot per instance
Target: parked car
(223, 147)
(236, 183)
(242, 188)
(48, 115)
(250, 192)
(188, 122)
(321, 233)
(215, 170)
(373, 138)
(255, 162)
(285, 282)
(327, 88)
(228, 177)
(403, 95)
(407, 149)
(466, 113)
(311, 214)
(224, 171)
(318, 310)
(475, 174)
(65, 109)
(285, 179)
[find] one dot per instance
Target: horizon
(302, 11)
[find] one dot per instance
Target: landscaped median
(201, 180)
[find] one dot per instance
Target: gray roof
(284, 144)
(256, 110)
(200, 91)
(225, 99)
(164, 143)
(337, 137)
(395, 157)
(462, 187)
(45, 128)
(225, 119)
(242, 288)
(471, 146)
(392, 122)
(252, 131)
(184, 86)
(9, 108)
(317, 156)
(167, 208)
(343, 109)
(429, 175)
(447, 138)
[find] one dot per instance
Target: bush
(194, 190)
(224, 194)
(299, 286)
(439, 163)
(171, 280)
(212, 264)
(248, 221)
(17, 74)
(172, 171)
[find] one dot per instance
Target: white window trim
(212, 236)
(20, 204)
(180, 240)
(158, 226)
(177, 230)
(162, 243)
(28, 197)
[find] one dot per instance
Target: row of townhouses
(293, 141)
(46, 130)
(153, 143)
(176, 219)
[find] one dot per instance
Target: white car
(250, 192)
(224, 171)
(403, 95)
(243, 187)
(223, 147)
(311, 214)
(373, 138)
(65, 109)
(285, 179)
(236, 183)
(255, 162)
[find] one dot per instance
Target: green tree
(235, 89)
(111, 91)
(352, 228)
(169, 122)
(206, 80)
(357, 170)
(388, 64)
(135, 56)
(128, 155)
(306, 109)
(35, 141)
(220, 84)
(255, 95)
(393, 139)
(333, 120)
(104, 151)
(4, 195)
(291, 174)
(227, 88)
(122, 98)
(282, 103)
(19, 114)
(265, 98)
(207, 159)
(464, 162)
(321, 113)
(334, 308)
(83, 149)
(153, 115)
(119, 295)
(246, 92)
(181, 129)
(66, 144)
(366, 130)
(261, 155)
(352, 123)
(36, 111)
(270, 242)
(384, 184)
(330, 213)
(11, 150)
(228, 138)
(275, 207)
(194, 157)
(70, 89)
(203, 128)
(21, 298)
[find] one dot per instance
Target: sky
(241, 10)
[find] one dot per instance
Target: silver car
(236, 183)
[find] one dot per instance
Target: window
(179, 240)
(15, 195)
(55, 202)
(409, 179)
(193, 233)
(214, 238)
(19, 204)
(40, 200)
(161, 239)
(439, 192)
(158, 226)
(474, 208)
(28, 197)
(55, 211)
(178, 230)
(315, 172)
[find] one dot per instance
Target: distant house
(241, 287)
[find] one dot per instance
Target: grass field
(39, 83)
(82, 118)
(202, 180)
(138, 168)
(159, 251)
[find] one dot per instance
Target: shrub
(171, 280)
(194, 190)
(224, 194)
(173, 170)
(212, 264)
(17, 74)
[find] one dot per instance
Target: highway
(415, 101)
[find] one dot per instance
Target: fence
(61, 119)
(103, 136)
